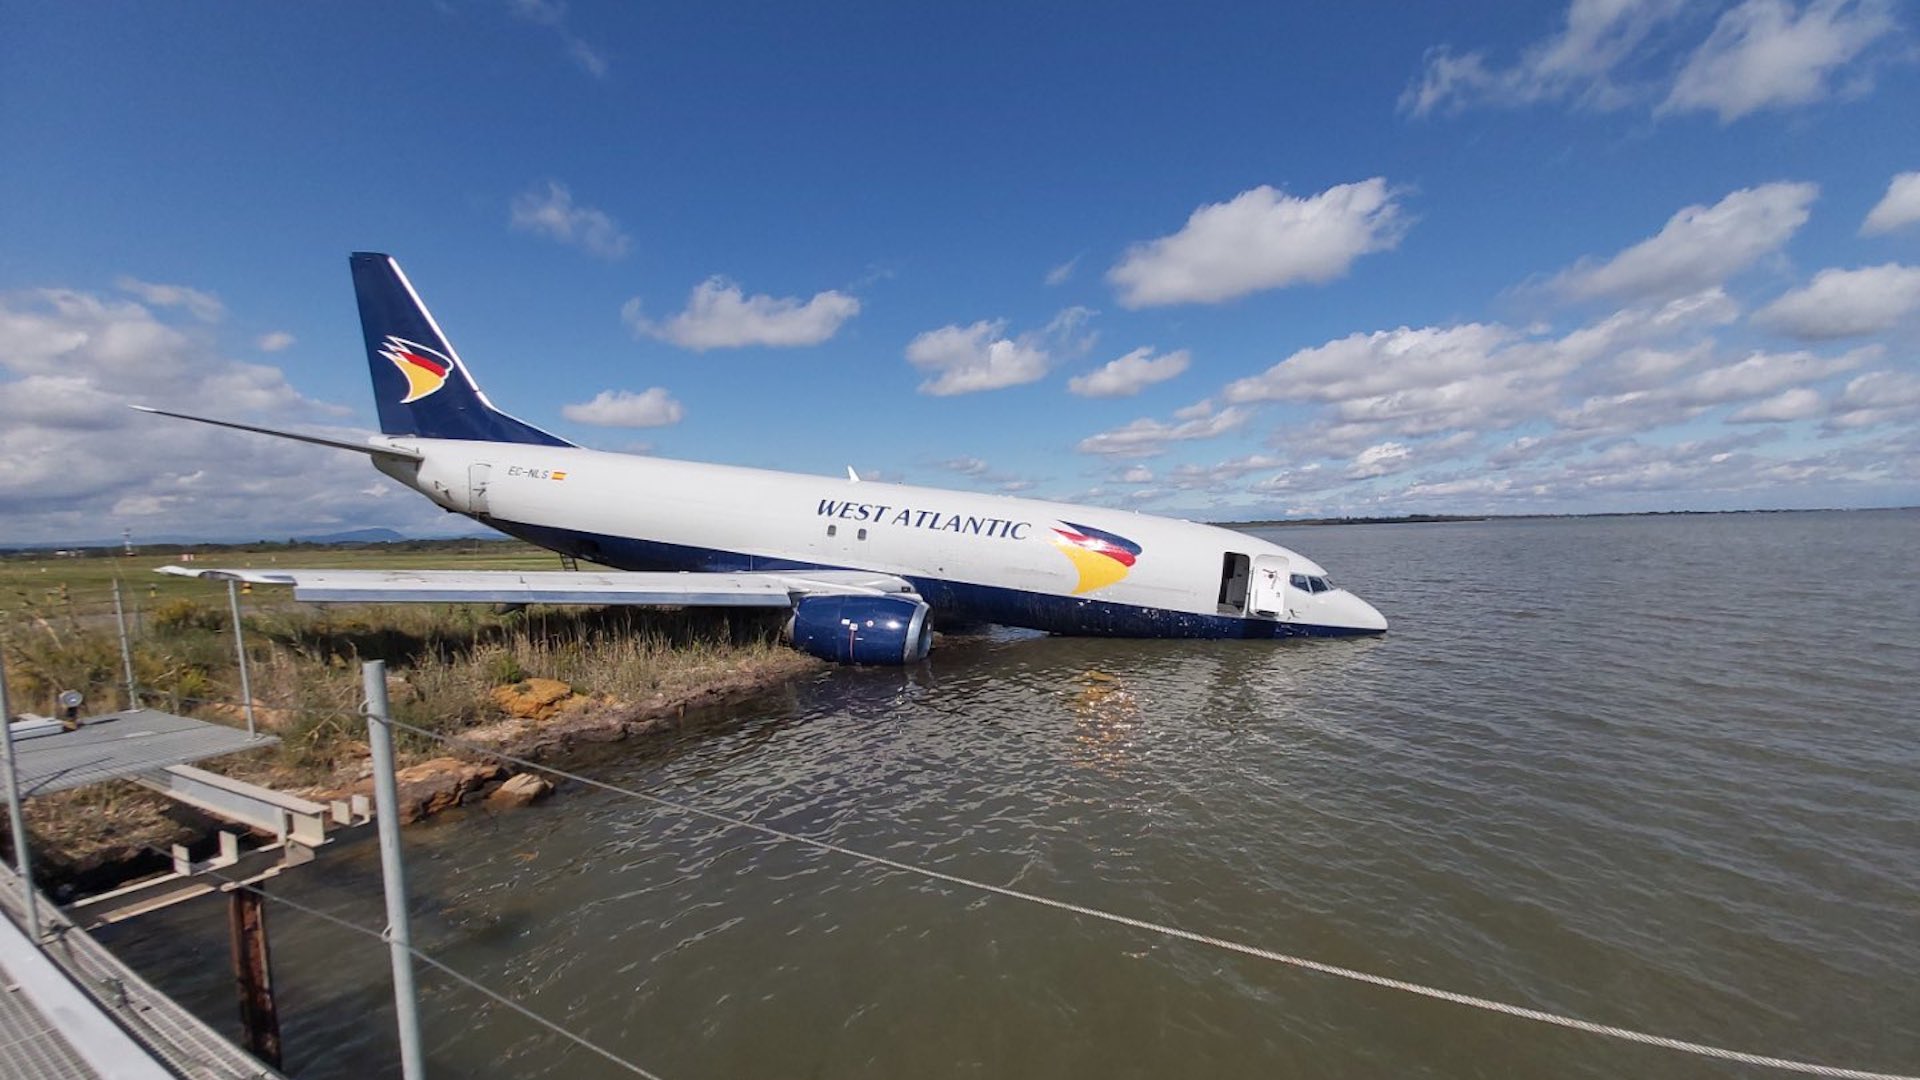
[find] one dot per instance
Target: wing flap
(758, 588)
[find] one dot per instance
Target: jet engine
(862, 629)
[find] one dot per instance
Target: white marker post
(22, 861)
(392, 874)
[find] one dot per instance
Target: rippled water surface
(1657, 772)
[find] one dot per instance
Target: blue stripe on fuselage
(958, 600)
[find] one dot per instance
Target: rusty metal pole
(253, 973)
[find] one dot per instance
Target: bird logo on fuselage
(1101, 557)
(425, 369)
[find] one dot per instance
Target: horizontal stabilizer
(767, 588)
(370, 449)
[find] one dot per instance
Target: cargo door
(477, 479)
(1267, 593)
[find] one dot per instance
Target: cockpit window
(1310, 583)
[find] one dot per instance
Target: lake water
(1656, 772)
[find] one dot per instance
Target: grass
(444, 662)
(81, 585)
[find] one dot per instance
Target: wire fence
(420, 735)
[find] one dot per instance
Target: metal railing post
(22, 860)
(240, 650)
(392, 873)
(126, 648)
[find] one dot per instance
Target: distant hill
(352, 536)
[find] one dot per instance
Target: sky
(1223, 261)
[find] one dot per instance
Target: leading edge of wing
(753, 588)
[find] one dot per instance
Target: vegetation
(445, 661)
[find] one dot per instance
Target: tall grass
(443, 662)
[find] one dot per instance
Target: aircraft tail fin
(419, 384)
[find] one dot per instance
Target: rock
(435, 785)
(522, 789)
(533, 699)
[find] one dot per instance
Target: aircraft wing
(751, 588)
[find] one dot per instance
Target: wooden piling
(253, 974)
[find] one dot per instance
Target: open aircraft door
(1267, 593)
(477, 478)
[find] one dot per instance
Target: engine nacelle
(862, 629)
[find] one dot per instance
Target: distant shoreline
(1431, 519)
(361, 542)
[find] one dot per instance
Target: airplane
(864, 568)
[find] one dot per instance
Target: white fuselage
(974, 557)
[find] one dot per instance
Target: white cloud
(83, 466)
(1799, 403)
(1845, 303)
(969, 359)
(1304, 478)
(653, 407)
(1876, 398)
(1772, 54)
(1756, 376)
(1146, 437)
(1699, 247)
(274, 341)
(965, 466)
(1764, 373)
(1381, 460)
(1130, 374)
(719, 315)
(201, 305)
(1063, 273)
(1261, 239)
(1138, 474)
(1380, 363)
(1579, 63)
(591, 60)
(1897, 209)
(1614, 53)
(551, 213)
(553, 15)
(1221, 475)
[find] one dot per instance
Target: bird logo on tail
(425, 369)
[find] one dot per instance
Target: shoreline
(95, 839)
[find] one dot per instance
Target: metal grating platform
(82, 1013)
(30, 1046)
(117, 745)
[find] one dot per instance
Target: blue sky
(1223, 262)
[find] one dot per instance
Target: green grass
(81, 586)
(57, 630)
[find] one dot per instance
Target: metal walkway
(122, 744)
(71, 1009)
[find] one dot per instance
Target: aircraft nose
(1363, 616)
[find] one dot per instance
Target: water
(1656, 772)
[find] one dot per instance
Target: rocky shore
(92, 839)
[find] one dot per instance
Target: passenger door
(1268, 592)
